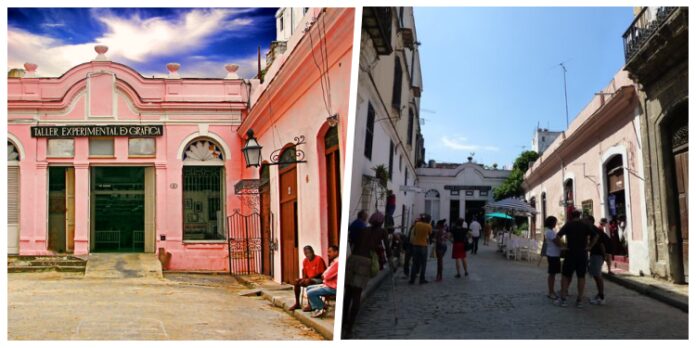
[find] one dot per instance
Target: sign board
(97, 131)
(410, 189)
(467, 188)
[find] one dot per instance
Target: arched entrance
(203, 181)
(533, 219)
(287, 172)
(13, 197)
(678, 150)
(333, 185)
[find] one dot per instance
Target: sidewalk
(282, 296)
(676, 295)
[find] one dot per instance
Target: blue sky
(491, 74)
(201, 40)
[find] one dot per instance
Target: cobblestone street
(505, 299)
(58, 306)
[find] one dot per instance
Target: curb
(374, 283)
(305, 318)
(663, 295)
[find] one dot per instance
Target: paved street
(504, 299)
(182, 307)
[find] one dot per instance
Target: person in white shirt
(552, 253)
(475, 228)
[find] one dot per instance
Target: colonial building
(596, 166)
(299, 114)
(457, 190)
(104, 159)
(657, 59)
(387, 127)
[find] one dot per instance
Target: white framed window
(101, 147)
(61, 148)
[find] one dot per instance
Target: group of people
(587, 247)
(318, 280)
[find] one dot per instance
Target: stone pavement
(62, 306)
(283, 296)
(505, 299)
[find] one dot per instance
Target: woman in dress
(459, 240)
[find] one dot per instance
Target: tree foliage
(512, 186)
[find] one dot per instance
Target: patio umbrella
(512, 205)
(498, 216)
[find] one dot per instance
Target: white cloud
(129, 39)
(459, 144)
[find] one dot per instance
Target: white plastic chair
(512, 247)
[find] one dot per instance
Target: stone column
(82, 211)
(161, 204)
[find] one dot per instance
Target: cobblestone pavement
(506, 299)
(55, 306)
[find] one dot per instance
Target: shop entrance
(474, 210)
(61, 209)
(118, 209)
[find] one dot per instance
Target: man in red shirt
(312, 268)
(330, 276)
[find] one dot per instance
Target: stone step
(56, 268)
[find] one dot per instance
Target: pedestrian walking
(487, 231)
(580, 238)
(441, 237)
(459, 240)
(359, 267)
(604, 227)
(598, 255)
(408, 249)
(358, 224)
(553, 255)
(475, 228)
(419, 242)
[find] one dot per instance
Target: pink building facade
(103, 159)
(596, 166)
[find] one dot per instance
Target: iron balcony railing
(377, 21)
(643, 27)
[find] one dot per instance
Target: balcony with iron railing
(643, 27)
(655, 42)
(377, 21)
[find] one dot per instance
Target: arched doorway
(678, 150)
(533, 219)
(289, 253)
(266, 220)
(543, 207)
(333, 185)
(12, 199)
(203, 179)
(432, 204)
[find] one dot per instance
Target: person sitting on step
(312, 268)
(328, 288)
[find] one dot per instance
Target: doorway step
(62, 263)
(123, 266)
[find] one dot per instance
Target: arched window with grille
(203, 184)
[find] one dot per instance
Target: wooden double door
(681, 168)
(288, 223)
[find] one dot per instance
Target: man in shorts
(580, 238)
(598, 254)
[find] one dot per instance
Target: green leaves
(512, 186)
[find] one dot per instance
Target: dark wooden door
(288, 223)
(333, 194)
(681, 167)
(265, 193)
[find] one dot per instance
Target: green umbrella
(499, 216)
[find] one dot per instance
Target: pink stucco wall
(288, 104)
(607, 126)
(110, 93)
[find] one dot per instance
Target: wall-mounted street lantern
(252, 150)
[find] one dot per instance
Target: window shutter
(12, 195)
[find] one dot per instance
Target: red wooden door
(288, 223)
(265, 193)
(333, 194)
